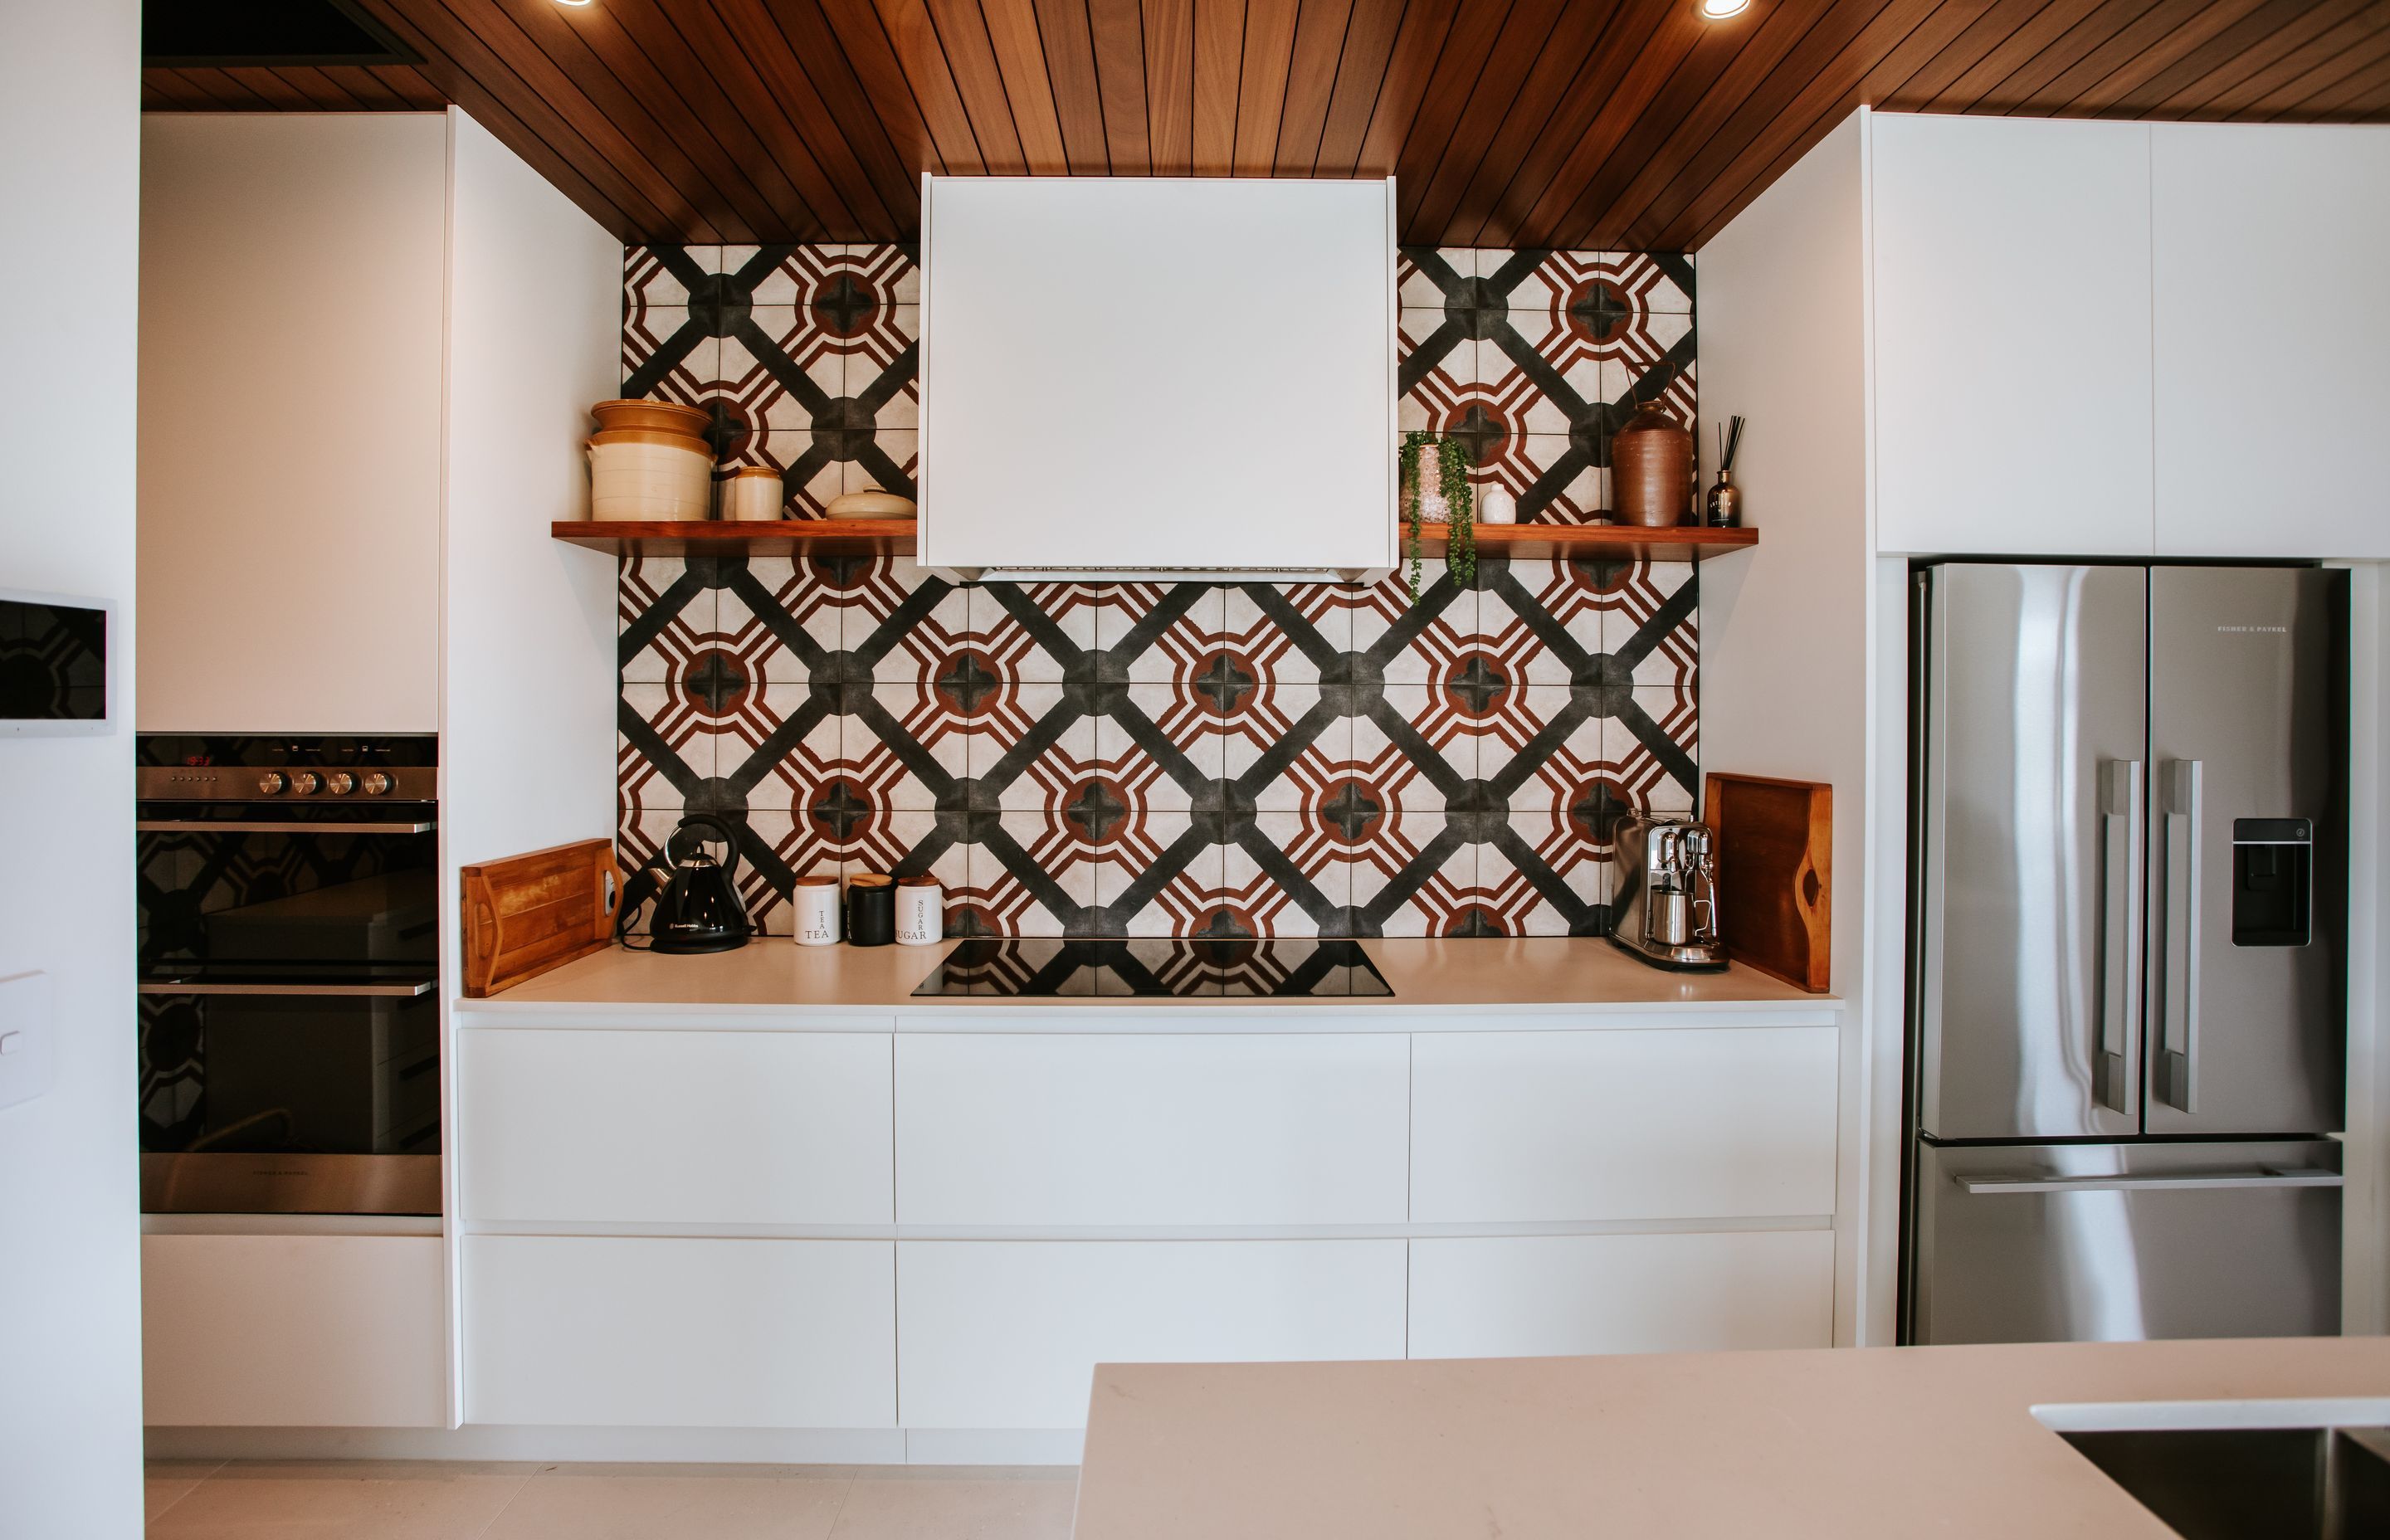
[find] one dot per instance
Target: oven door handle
(392, 991)
(271, 826)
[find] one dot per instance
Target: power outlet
(28, 1038)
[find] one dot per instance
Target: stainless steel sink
(2253, 1483)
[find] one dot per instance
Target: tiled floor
(375, 1501)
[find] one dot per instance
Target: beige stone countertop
(773, 974)
(1846, 1444)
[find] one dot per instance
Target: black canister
(871, 910)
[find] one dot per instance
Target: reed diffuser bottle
(1722, 508)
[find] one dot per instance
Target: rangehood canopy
(1126, 377)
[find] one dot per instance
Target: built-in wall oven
(288, 993)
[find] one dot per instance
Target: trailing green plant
(1452, 462)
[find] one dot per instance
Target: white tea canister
(815, 902)
(753, 495)
(920, 912)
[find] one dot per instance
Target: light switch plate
(28, 1038)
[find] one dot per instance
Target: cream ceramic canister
(1497, 507)
(815, 902)
(753, 495)
(920, 912)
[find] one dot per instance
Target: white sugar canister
(920, 912)
(815, 902)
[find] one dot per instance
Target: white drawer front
(293, 1331)
(1006, 1334)
(1056, 1130)
(705, 1333)
(1608, 1125)
(685, 1128)
(1543, 1295)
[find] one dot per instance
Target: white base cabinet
(293, 1331)
(1006, 1334)
(1529, 1296)
(692, 1333)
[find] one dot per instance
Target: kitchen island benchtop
(1487, 975)
(1840, 1442)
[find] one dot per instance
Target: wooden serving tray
(1775, 874)
(528, 914)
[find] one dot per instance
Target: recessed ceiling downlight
(1719, 11)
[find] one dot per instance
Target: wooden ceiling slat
(1169, 44)
(230, 90)
(959, 34)
(2362, 81)
(271, 90)
(2100, 98)
(1790, 41)
(1118, 30)
(460, 66)
(1021, 61)
(725, 136)
(1825, 54)
(873, 206)
(2026, 89)
(586, 48)
(176, 90)
(412, 84)
(370, 91)
(1541, 149)
(880, 128)
(1361, 71)
(1525, 39)
(2154, 94)
(1319, 34)
(1893, 51)
(2201, 96)
(1592, 223)
(1967, 51)
(2136, 39)
(1261, 84)
(924, 101)
(1538, 113)
(1655, 62)
(821, 206)
(2287, 79)
(1219, 27)
(1460, 62)
(1070, 52)
(2008, 56)
(320, 88)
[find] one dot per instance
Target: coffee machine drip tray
(1186, 968)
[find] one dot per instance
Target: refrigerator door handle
(2175, 1073)
(2123, 816)
(2259, 1178)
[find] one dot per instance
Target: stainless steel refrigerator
(2126, 953)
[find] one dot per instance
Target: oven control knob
(339, 783)
(270, 782)
(304, 783)
(376, 784)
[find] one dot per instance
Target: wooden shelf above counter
(895, 537)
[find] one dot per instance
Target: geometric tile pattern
(1166, 759)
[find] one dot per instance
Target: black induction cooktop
(1192, 968)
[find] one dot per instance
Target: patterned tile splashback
(1153, 759)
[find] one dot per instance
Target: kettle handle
(720, 826)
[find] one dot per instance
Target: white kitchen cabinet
(1006, 1334)
(2272, 338)
(2011, 290)
(1223, 1128)
(687, 1127)
(1522, 1297)
(581, 1331)
(1629, 1124)
(293, 1331)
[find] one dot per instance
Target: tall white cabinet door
(1067, 1129)
(633, 1331)
(2272, 321)
(1006, 1334)
(681, 1128)
(1526, 1297)
(2012, 340)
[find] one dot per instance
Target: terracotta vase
(1651, 468)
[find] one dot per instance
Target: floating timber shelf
(894, 537)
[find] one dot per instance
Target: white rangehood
(1161, 375)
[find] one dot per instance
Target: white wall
(70, 1330)
(527, 652)
(291, 306)
(1787, 628)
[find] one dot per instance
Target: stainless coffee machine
(1667, 910)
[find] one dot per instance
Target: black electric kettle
(698, 909)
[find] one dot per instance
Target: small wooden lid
(817, 880)
(916, 882)
(755, 470)
(869, 880)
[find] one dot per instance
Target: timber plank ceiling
(1576, 124)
